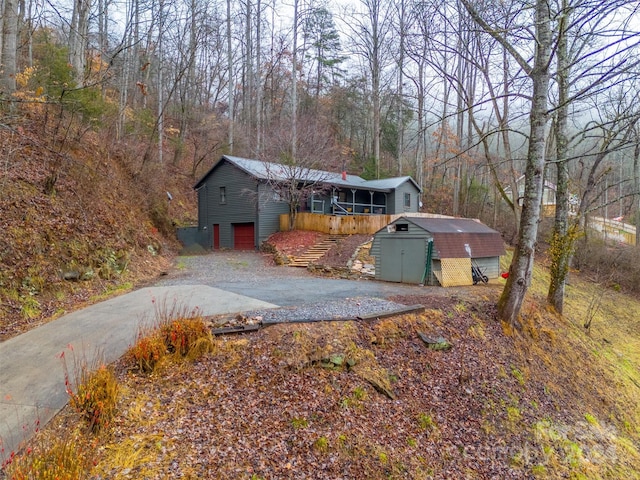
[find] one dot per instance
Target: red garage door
(243, 236)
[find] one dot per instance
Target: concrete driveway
(32, 387)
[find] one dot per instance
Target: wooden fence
(345, 224)
(614, 230)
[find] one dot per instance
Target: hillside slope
(77, 223)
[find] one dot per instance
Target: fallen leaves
(264, 403)
(297, 401)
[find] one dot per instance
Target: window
(402, 227)
(407, 200)
(223, 195)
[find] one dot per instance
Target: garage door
(402, 259)
(243, 236)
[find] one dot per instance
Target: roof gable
(392, 183)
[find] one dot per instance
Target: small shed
(436, 251)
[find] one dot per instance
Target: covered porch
(351, 201)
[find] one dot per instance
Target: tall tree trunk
(421, 147)
(461, 71)
(258, 81)
(294, 86)
(521, 269)
(446, 89)
(247, 87)
(8, 59)
(400, 114)
(230, 78)
(563, 238)
(636, 184)
(160, 60)
(78, 31)
(374, 14)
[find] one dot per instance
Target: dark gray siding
(398, 198)
(239, 206)
(203, 236)
(269, 213)
(392, 203)
(322, 201)
(192, 235)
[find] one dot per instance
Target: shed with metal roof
(436, 251)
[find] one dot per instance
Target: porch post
(371, 202)
(353, 201)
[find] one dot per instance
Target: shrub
(147, 352)
(614, 266)
(180, 338)
(95, 396)
(52, 458)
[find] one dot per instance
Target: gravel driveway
(304, 295)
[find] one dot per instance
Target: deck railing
(345, 224)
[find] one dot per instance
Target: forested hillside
(78, 222)
(105, 107)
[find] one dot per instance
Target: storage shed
(436, 251)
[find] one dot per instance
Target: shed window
(407, 200)
(223, 195)
(402, 227)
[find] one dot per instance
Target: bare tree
(589, 46)
(294, 179)
(369, 33)
(521, 269)
(294, 83)
(231, 79)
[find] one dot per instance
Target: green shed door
(402, 259)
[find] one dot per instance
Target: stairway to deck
(315, 252)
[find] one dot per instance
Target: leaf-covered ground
(371, 400)
(76, 226)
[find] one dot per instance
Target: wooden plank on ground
(238, 329)
(393, 313)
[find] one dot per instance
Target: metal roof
(450, 225)
(460, 237)
(275, 171)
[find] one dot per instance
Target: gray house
(238, 206)
(436, 251)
